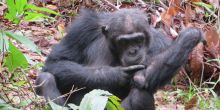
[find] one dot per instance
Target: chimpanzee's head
(126, 32)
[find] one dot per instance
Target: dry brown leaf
(191, 105)
(196, 62)
(52, 7)
(40, 33)
(213, 42)
(42, 42)
(33, 74)
(189, 14)
(66, 3)
(37, 57)
(168, 15)
(195, 0)
(61, 27)
(172, 11)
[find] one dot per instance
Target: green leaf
(99, 102)
(25, 102)
(31, 62)
(12, 18)
(56, 107)
(110, 106)
(85, 104)
(11, 7)
(15, 59)
(20, 5)
(115, 100)
(218, 103)
(47, 107)
(3, 42)
(215, 60)
(202, 4)
(7, 107)
(33, 7)
(9, 16)
(73, 106)
(12, 13)
(29, 44)
(20, 83)
(2, 101)
(32, 16)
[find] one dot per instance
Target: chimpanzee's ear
(105, 30)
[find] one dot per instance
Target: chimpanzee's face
(131, 48)
(126, 33)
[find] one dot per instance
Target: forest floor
(196, 87)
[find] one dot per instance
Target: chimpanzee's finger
(133, 68)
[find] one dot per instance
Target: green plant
(19, 9)
(202, 96)
(14, 58)
(94, 100)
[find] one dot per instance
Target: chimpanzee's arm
(68, 73)
(164, 66)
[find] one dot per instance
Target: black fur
(87, 57)
(160, 70)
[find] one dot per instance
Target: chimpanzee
(91, 56)
(155, 75)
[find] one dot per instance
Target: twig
(110, 4)
(201, 78)
(163, 5)
(68, 96)
(39, 85)
(7, 98)
(29, 82)
(141, 2)
(64, 95)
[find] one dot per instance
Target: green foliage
(214, 60)
(15, 58)
(202, 4)
(97, 100)
(94, 100)
(7, 107)
(206, 98)
(113, 103)
(208, 7)
(12, 14)
(29, 44)
(4, 45)
(33, 7)
(19, 9)
(24, 103)
(56, 107)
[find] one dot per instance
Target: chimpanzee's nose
(132, 51)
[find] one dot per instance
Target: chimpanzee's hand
(139, 79)
(126, 73)
(132, 69)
